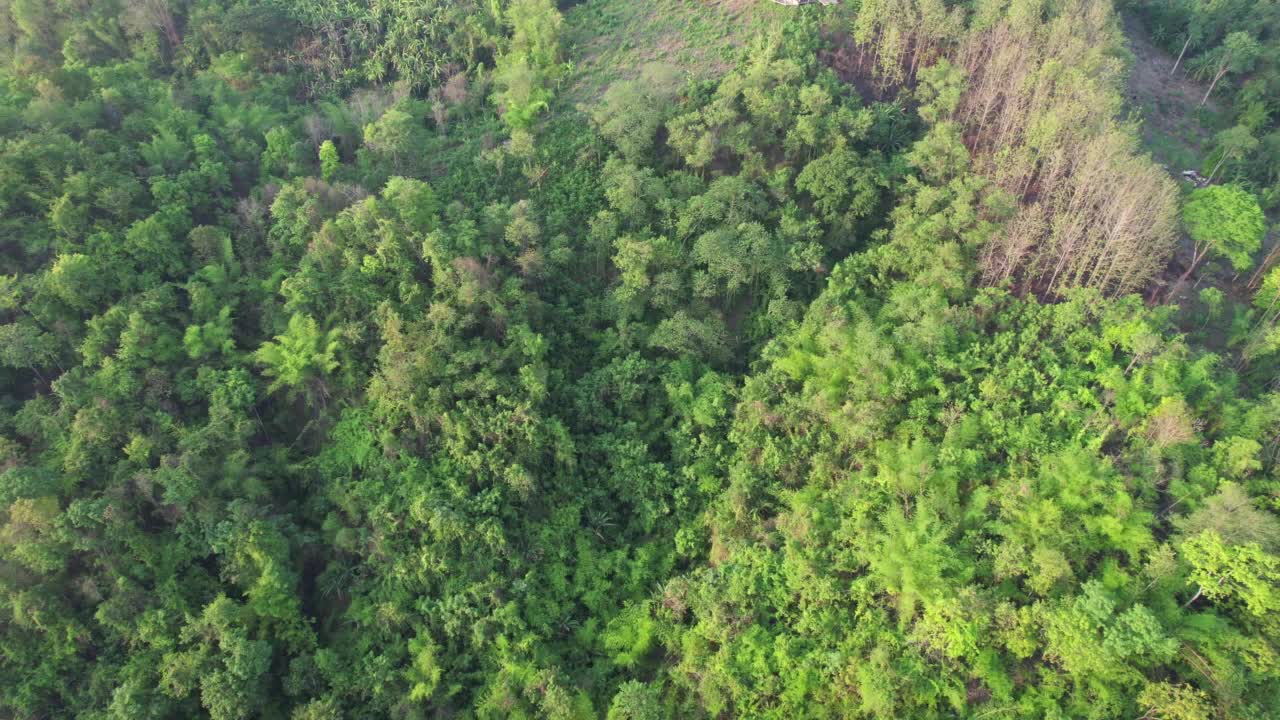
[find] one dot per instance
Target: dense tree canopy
(364, 360)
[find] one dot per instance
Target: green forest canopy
(358, 360)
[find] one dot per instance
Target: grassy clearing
(609, 40)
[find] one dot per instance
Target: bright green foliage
(217, 335)
(1233, 144)
(394, 136)
(633, 110)
(1264, 336)
(529, 64)
(1212, 299)
(1234, 573)
(1224, 220)
(870, 476)
(636, 701)
(281, 156)
(1174, 702)
(910, 560)
(329, 160)
(522, 94)
(301, 355)
(941, 87)
(424, 674)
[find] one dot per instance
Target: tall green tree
(1224, 220)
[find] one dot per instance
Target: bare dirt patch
(854, 65)
(1168, 103)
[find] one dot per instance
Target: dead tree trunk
(1264, 266)
(1218, 165)
(1197, 257)
(1222, 70)
(1184, 52)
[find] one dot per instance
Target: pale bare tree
(140, 15)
